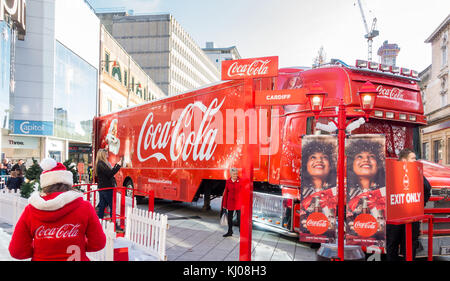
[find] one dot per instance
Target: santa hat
(54, 172)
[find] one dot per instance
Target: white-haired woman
(232, 199)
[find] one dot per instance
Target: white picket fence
(11, 206)
(147, 230)
(107, 253)
(3, 180)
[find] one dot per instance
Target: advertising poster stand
(318, 189)
(404, 204)
(366, 191)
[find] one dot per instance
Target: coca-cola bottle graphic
(381, 220)
(317, 208)
(365, 208)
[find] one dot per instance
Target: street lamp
(367, 95)
(316, 97)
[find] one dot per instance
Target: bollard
(151, 201)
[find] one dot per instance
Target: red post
(245, 245)
(342, 120)
(430, 238)
(122, 208)
(88, 189)
(408, 227)
(113, 211)
(151, 201)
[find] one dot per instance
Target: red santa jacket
(59, 226)
(232, 195)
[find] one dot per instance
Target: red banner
(281, 97)
(250, 68)
(366, 190)
(318, 189)
(404, 189)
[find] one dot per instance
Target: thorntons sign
(250, 68)
(16, 10)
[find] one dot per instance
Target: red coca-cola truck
(183, 146)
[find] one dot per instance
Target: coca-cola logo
(64, 231)
(198, 145)
(393, 93)
(365, 225)
(317, 223)
(255, 68)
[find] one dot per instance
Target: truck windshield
(398, 135)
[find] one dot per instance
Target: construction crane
(372, 33)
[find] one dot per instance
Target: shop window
(437, 151)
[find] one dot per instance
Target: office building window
(75, 95)
(426, 151)
(107, 62)
(109, 104)
(437, 151)
(448, 151)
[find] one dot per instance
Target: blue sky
(295, 30)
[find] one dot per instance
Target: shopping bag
(223, 218)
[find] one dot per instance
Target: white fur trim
(53, 204)
(60, 176)
(48, 163)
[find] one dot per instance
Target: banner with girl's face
(318, 189)
(366, 190)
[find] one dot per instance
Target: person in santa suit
(231, 199)
(57, 225)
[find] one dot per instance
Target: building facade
(218, 55)
(123, 83)
(164, 50)
(12, 28)
(56, 81)
(436, 135)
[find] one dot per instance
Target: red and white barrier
(11, 206)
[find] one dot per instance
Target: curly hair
(326, 148)
(361, 145)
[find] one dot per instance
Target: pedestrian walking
(15, 181)
(105, 179)
(57, 225)
(231, 200)
(20, 165)
(5, 167)
(395, 234)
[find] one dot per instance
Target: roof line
(435, 32)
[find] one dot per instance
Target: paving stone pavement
(196, 235)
